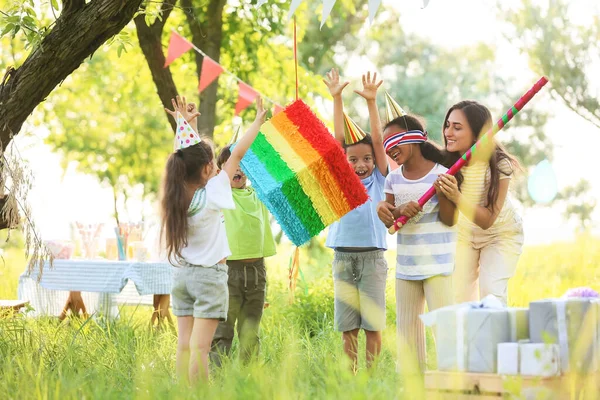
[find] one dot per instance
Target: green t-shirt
(248, 227)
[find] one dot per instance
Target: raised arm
(238, 152)
(336, 88)
(188, 111)
(369, 93)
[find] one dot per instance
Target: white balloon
(542, 185)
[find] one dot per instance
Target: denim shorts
(200, 292)
(359, 289)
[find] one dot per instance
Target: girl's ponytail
(183, 168)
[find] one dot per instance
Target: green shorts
(200, 292)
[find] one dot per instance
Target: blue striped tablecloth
(104, 284)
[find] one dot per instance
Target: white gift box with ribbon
(467, 335)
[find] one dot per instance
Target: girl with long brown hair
(490, 229)
(196, 242)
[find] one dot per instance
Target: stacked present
(552, 337)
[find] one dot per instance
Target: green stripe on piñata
(291, 187)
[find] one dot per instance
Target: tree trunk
(207, 36)
(151, 45)
(75, 36)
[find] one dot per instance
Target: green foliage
(21, 16)
(109, 124)
(561, 49)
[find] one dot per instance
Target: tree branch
(149, 38)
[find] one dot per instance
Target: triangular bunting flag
(373, 7)
(352, 132)
(392, 109)
(177, 46)
(210, 71)
(245, 97)
(327, 7)
(277, 109)
(293, 7)
(425, 3)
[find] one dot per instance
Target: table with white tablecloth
(101, 284)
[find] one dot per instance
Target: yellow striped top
(475, 187)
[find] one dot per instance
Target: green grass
(301, 354)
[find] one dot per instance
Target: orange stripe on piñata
(319, 137)
(329, 185)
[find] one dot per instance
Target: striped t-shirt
(426, 246)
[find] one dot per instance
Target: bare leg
(351, 346)
(184, 325)
(200, 343)
(373, 346)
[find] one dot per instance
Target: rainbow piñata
(301, 174)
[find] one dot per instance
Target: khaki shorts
(200, 292)
(359, 288)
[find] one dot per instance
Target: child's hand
(261, 113)
(188, 111)
(448, 186)
(385, 213)
(370, 86)
(410, 210)
(333, 83)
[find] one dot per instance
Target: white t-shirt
(207, 238)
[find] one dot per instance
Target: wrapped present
(539, 359)
(467, 335)
(573, 325)
(508, 359)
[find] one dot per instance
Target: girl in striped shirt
(490, 230)
(427, 243)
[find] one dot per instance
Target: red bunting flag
(177, 46)
(245, 97)
(210, 71)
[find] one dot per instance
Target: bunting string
(178, 45)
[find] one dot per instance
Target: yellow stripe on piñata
(329, 185)
(307, 180)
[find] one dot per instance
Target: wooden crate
(463, 386)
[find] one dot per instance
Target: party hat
(185, 135)
(352, 132)
(236, 136)
(392, 109)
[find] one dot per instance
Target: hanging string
(296, 56)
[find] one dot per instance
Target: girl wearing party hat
(359, 238)
(426, 245)
(196, 242)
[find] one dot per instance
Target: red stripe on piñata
(315, 132)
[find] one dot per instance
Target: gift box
(467, 335)
(539, 359)
(508, 359)
(573, 325)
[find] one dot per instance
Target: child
(426, 244)
(250, 240)
(490, 229)
(359, 238)
(196, 242)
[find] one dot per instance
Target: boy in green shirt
(250, 241)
